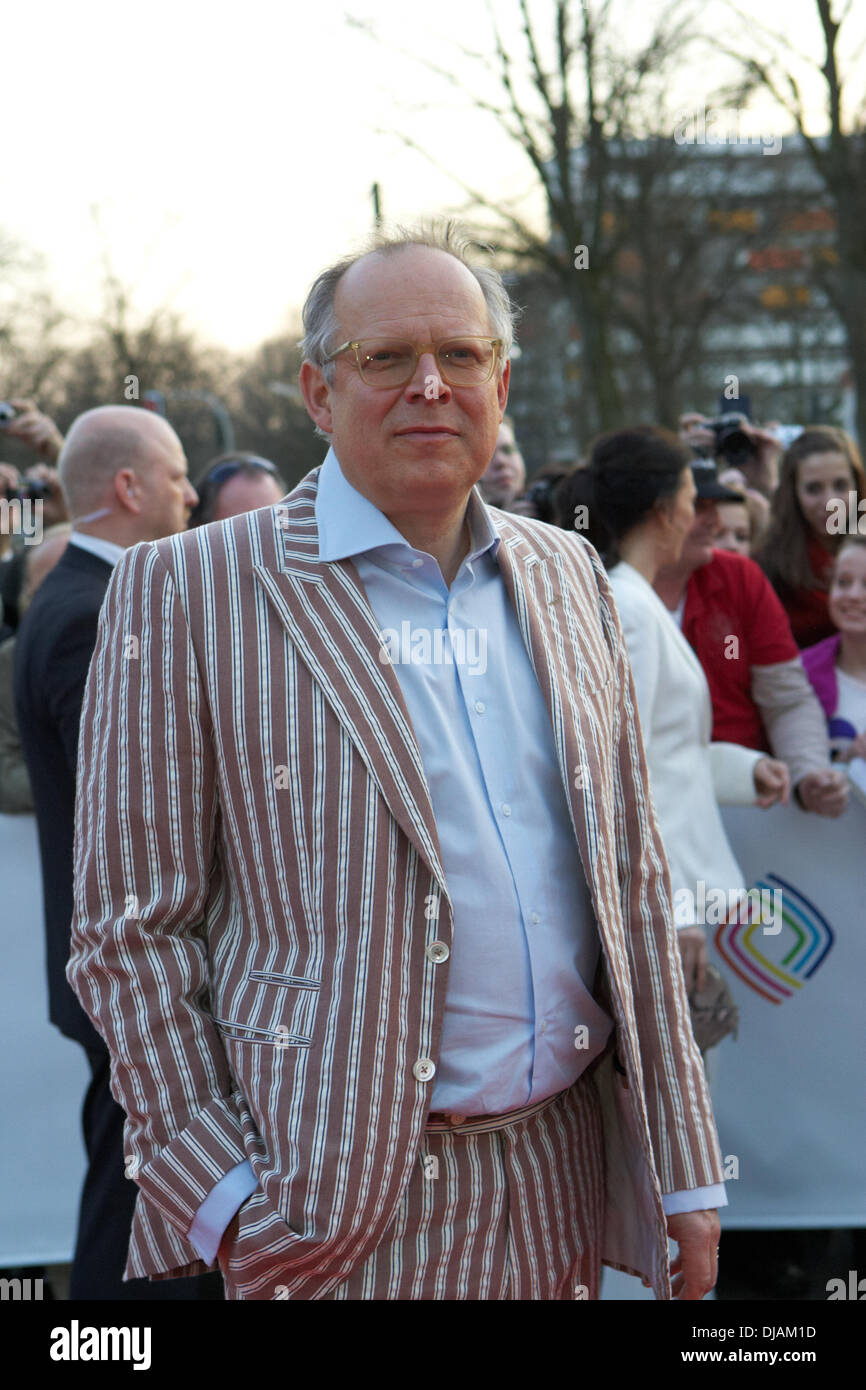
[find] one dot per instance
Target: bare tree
(268, 410)
(839, 159)
(626, 241)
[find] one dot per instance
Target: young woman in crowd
(837, 666)
(821, 474)
(638, 491)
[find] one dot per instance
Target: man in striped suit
(371, 905)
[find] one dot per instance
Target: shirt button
(438, 951)
(506, 809)
(544, 1027)
(457, 1119)
(424, 1069)
(480, 706)
(416, 564)
(535, 919)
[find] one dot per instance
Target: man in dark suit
(125, 478)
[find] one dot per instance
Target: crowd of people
(743, 604)
(777, 630)
(742, 608)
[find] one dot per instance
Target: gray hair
(320, 321)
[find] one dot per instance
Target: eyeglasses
(384, 362)
(227, 470)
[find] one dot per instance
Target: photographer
(20, 419)
(734, 442)
(40, 484)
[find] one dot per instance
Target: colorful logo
(776, 966)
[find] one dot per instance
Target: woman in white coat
(639, 492)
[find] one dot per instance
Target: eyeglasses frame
(496, 343)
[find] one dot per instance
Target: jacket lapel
(324, 609)
(569, 673)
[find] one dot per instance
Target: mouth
(428, 431)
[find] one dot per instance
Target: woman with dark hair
(235, 483)
(636, 500)
(821, 468)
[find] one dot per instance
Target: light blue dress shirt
(520, 1022)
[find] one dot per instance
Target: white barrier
(43, 1076)
(789, 1092)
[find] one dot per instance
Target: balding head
(100, 443)
(128, 464)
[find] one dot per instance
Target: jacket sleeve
(659, 1038)
(143, 861)
(792, 716)
(733, 769)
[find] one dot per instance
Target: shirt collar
(349, 524)
(97, 545)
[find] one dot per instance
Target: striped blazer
(257, 875)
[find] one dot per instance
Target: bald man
(124, 476)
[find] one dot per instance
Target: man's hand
(772, 782)
(825, 793)
(696, 1267)
(33, 428)
(692, 942)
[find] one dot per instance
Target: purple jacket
(819, 663)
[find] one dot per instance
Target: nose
(191, 495)
(427, 380)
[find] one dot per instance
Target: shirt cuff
(218, 1208)
(695, 1199)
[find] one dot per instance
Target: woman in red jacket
(819, 473)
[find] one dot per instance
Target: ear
(317, 396)
(128, 491)
(502, 388)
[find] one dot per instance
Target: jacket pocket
(274, 1008)
(273, 977)
(248, 1033)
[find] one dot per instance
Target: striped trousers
(509, 1213)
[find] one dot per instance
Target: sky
(218, 156)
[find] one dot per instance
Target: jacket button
(438, 951)
(424, 1069)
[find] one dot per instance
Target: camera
(33, 491)
(732, 443)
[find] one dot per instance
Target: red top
(807, 608)
(731, 598)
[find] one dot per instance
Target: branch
(534, 242)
